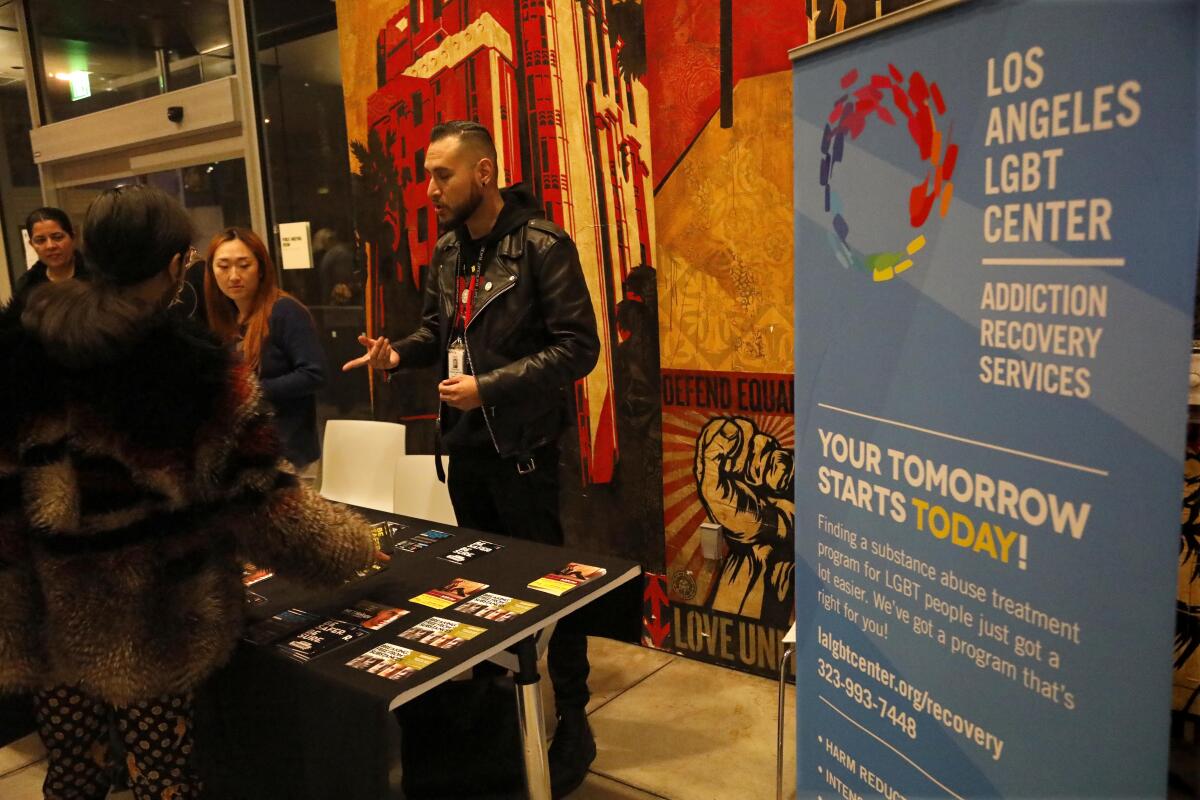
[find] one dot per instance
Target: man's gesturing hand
(379, 355)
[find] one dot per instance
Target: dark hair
(131, 233)
(223, 314)
(49, 214)
(471, 133)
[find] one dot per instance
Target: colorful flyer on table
(371, 615)
(453, 592)
(461, 555)
(282, 624)
(252, 574)
(496, 607)
(422, 540)
(320, 639)
(443, 633)
(391, 661)
(387, 534)
(566, 579)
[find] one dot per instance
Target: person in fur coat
(139, 469)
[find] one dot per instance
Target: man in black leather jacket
(507, 313)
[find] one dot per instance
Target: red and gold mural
(565, 103)
(723, 197)
(658, 134)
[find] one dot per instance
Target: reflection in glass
(20, 187)
(308, 177)
(97, 55)
(214, 195)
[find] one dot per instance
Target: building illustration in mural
(658, 133)
(552, 82)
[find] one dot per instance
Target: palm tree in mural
(626, 23)
(380, 209)
(394, 300)
(1187, 615)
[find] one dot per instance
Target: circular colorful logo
(918, 102)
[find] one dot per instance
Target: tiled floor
(666, 727)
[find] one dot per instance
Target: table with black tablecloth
(273, 727)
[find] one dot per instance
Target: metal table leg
(529, 715)
(783, 665)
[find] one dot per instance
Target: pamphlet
(443, 633)
(567, 578)
(453, 592)
(371, 615)
(387, 534)
(422, 540)
(320, 639)
(252, 574)
(285, 623)
(462, 555)
(496, 607)
(367, 571)
(391, 661)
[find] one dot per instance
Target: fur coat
(138, 470)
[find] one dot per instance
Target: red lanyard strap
(465, 290)
(466, 298)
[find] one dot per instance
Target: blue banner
(996, 248)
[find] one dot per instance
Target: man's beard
(463, 212)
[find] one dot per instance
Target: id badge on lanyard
(456, 353)
(455, 357)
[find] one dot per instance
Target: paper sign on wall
(31, 256)
(295, 245)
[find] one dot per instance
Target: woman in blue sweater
(274, 332)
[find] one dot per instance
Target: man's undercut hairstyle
(471, 134)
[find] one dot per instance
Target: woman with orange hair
(274, 332)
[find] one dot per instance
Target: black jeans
(489, 494)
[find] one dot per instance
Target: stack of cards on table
(443, 633)
(421, 541)
(461, 555)
(387, 535)
(391, 661)
(567, 578)
(453, 592)
(252, 574)
(285, 623)
(367, 571)
(320, 639)
(497, 607)
(371, 615)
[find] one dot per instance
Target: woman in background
(274, 332)
(139, 469)
(53, 239)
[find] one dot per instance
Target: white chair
(417, 492)
(358, 462)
